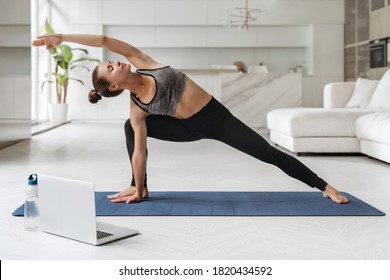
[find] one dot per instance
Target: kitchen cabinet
(377, 73)
(363, 58)
(350, 64)
(377, 4)
(360, 26)
(363, 20)
(350, 22)
(379, 28)
(378, 24)
(388, 21)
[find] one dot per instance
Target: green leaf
(77, 80)
(82, 66)
(53, 50)
(66, 52)
(60, 78)
(58, 58)
(83, 50)
(45, 83)
(48, 28)
(64, 65)
(86, 59)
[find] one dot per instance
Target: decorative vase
(58, 112)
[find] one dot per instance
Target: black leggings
(216, 122)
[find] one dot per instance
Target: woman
(167, 105)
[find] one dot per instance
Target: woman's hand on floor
(134, 198)
(128, 199)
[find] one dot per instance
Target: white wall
(15, 65)
(189, 33)
(328, 62)
(15, 69)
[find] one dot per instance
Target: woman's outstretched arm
(132, 54)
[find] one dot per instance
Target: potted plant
(63, 65)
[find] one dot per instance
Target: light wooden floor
(97, 152)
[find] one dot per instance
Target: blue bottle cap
(33, 179)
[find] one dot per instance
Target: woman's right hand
(48, 40)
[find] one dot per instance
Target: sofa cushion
(362, 93)
(315, 122)
(374, 127)
(381, 96)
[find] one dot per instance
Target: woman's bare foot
(126, 193)
(334, 195)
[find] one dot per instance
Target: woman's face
(114, 72)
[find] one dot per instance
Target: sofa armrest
(337, 95)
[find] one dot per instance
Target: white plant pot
(58, 112)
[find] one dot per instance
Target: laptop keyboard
(102, 234)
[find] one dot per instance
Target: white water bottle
(31, 211)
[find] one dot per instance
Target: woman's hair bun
(94, 96)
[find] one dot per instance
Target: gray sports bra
(169, 89)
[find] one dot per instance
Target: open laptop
(67, 208)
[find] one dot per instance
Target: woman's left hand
(49, 40)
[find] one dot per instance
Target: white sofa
(355, 119)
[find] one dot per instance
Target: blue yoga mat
(231, 204)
